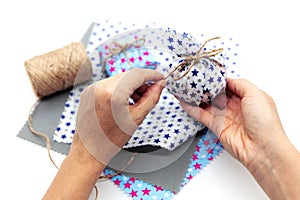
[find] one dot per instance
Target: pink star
(158, 188)
(112, 69)
(123, 60)
(206, 143)
(210, 158)
(210, 151)
(131, 59)
(106, 47)
(148, 63)
(132, 179)
(197, 166)
(133, 193)
(117, 182)
(111, 62)
(190, 177)
(123, 70)
(195, 157)
(140, 58)
(146, 53)
(127, 185)
(146, 191)
(198, 148)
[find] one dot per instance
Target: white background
(268, 33)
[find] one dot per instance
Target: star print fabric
(205, 79)
(122, 60)
(167, 125)
(206, 150)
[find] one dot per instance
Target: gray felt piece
(170, 166)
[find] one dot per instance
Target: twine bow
(190, 60)
(116, 48)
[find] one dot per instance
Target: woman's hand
(105, 119)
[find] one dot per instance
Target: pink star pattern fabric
(207, 149)
(135, 56)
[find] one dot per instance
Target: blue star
(172, 145)
(184, 35)
(203, 74)
(211, 67)
(165, 97)
(164, 121)
(67, 105)
(170, 40)
(58, 129)
(141, 142)
(185, 91)
(211, 80)
(63, 116)
(168, 112)
(154, 127)
(193, 84)
(161, 130)
(176, 131)
(179, 120)
(195, 72)
(219, 79)
(223, 73)
(72, 112)
(145, 132)
(135, 138)
(179, 42)
(148, 123)
(171, 47)
(167, 136)
(177, 107)
(157, 140)
(73, 131)
(173, 116)
(140, 128)
(151, 136)
(171, 103)
(63, 136)
(180, 141)
(68, 124)
(186, 127)
(158, 118)
(170, 125)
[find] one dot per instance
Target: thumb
(147, 102)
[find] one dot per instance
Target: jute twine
(190, 60)
(58, 70)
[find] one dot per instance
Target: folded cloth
(121, 56)
(198, 77)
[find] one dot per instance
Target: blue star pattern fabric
(201, 81)
(167, 125)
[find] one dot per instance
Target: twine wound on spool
(56, 71)
(60, 69)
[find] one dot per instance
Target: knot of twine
(116, 48)
(190, 60)
(58, 70)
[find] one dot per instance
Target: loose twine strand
(48, 147)
(116, 48)
(190, 60)
(43, 84)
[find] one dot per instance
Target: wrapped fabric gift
(199, 77)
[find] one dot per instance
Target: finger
(241, 87)
(141, 90)
(149, 99)
(202, 115)
(135, 97)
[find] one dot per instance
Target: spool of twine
(59, 69)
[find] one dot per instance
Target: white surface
(268, 34)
